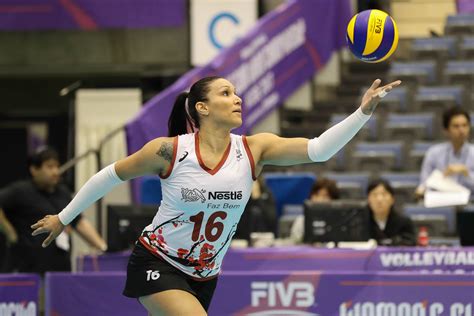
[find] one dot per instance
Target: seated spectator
(455, 158)
(323, 190)
(259, 214)
(387, 227)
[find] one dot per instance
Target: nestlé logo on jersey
(225, 195)
(193, 195)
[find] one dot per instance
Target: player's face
(380, 200)
(225, 106)
(48, 174)
(458, 129)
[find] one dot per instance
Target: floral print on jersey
(200, 256)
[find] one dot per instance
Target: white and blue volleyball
(372, 36)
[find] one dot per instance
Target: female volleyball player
(206, 181)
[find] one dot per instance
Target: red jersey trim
(249, 154)
(159, 256)
(201, 163)
(170, 168)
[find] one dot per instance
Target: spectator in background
(454, 158)
(25, 202)
(260, 212)
(387, 227)
(323, 190)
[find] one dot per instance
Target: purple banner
(300, 258)
(281, 293)
(295, 259)
(453, 260)
(283, 51)
(19, 294)
(343, 294)
(92, 294)
(90, 14)
(465, 6)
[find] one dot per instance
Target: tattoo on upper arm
(166, 151)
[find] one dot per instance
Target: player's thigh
(171, 303)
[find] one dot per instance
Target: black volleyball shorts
(148, 274)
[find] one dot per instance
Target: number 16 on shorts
(152, 275)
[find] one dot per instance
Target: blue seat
(150, 190)
(398, 96)
(460, 19)
(420, 72)
(417, 153)
(440, 94)
(409, 126)
(404, 184)
(440, 46)
(466, 47)
(289, 188)
(378, 156)
(370, 128)
(350, 184)
(449, 213)
(412, 178)
(460, 72)
(422, 147)
(460, 24)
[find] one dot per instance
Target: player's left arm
(270, 149)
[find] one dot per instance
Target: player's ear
(202, 108)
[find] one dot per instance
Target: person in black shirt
(260, 212)
(387, 227)
(24, 202)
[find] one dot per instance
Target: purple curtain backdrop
(466, 6)
(90, 14)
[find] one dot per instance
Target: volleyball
(372, 36)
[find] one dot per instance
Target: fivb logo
(24, 309)
(400, 309)
(290, 294)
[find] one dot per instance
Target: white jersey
(201, 207)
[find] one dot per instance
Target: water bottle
(423, 237)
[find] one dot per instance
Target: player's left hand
(374, 94)
(48, 224)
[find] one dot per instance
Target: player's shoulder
(159, 144)
(262, 138)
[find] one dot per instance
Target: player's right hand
(49, 224)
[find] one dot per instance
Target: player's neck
(214, 140)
